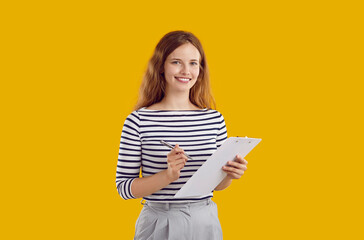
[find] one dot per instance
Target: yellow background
(288, 72)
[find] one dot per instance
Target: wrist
(228, 178)
(167, 177)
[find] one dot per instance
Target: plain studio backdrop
(288, 72)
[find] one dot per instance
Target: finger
(234, 175)
(245, 162)
(179, 162)
(241, 167)
(180, 165)
(178, 149)
(239, 158)
(178, 157)
(174, 154)
(184, 157)
(233, 170)
(175, 151)
(236, 164)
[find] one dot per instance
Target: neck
(178, 101)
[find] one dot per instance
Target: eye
(175, 62)
(194, 63)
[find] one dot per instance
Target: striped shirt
(198, 132)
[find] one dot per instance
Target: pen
(170, 146)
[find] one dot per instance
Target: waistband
(177, 205)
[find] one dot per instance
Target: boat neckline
(156, 110)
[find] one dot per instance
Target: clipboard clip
(245, 137)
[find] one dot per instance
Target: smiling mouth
(184, 80)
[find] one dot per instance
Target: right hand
(176, 160)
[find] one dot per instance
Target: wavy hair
(152, 89)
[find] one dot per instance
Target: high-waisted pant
(178, 221)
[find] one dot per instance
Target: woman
(175, 106)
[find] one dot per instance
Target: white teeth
(183, 79)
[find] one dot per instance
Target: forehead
(185, 51)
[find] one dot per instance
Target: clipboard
(210, 174)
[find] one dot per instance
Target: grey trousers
(178, 221)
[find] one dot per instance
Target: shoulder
(216, 112)
(133, 117)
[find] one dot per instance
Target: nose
(185, 69)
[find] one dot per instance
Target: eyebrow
(181, 59)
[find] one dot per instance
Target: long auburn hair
(152, 89)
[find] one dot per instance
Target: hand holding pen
(176, 160)
(171, 146)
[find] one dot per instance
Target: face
(182, 68)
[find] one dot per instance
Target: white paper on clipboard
(210, 174)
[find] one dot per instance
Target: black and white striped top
(198, 132)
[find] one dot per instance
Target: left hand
(235, 169)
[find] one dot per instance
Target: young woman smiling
(175, 105)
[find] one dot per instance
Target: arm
(147, 185)
(235, 169)
(224, 183)
(129, 159)
(128, 183)
(220, 139)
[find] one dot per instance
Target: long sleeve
(222, 132)
(129, 159)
